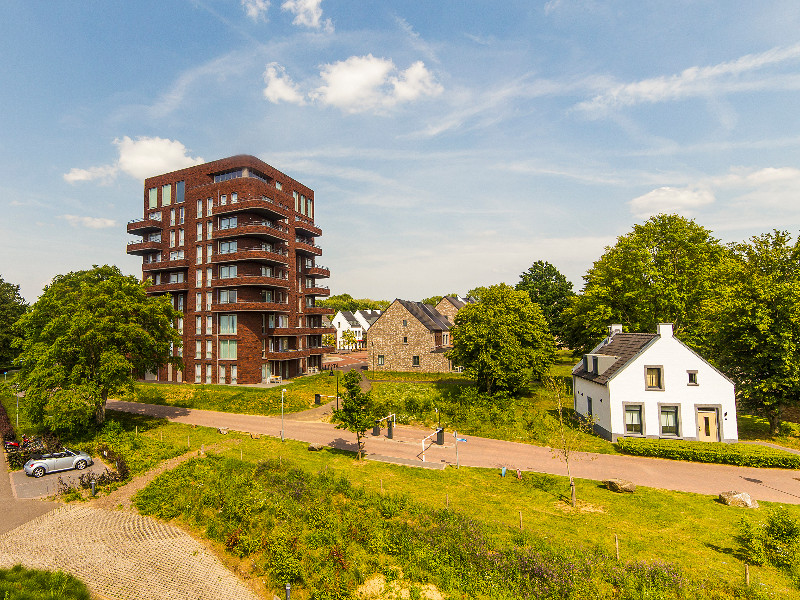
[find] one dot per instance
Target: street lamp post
(283, 391)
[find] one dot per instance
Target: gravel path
(120, 555)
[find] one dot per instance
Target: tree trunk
(100, 416)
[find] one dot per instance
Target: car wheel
(38, 471)
(81, 464)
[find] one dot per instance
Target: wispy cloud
(308, 13)
(89, 222)
(141, 158)
(256, 10)
(357, 84)
(726, 77)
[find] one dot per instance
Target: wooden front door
(707, 430)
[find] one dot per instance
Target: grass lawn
(689, 530)
(19, 583)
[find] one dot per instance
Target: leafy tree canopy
(12, 307)
(502, 340)
(358, 410)
(92, 328)
(752, 324)
(347, 302)
(477, 292)
(548, 288)
(660, 272)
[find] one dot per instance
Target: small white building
(654, 386)
(358, 322)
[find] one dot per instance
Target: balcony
(261, 206)
(317, 310)
(307, 247)
(277, 255)
(318, 271)
(317, 290)
(142, 248)
(266, 230)
(166, 265)
(248, 306)
(291, 353)
(306, 224)
(161, 288)
(250, 280)
(143, 226)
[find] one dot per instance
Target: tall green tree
(662, 271)
(358, 410)
(94, 328)
(12, 307)
(548, 288)
(347, 302)
(502, 340)
(752, 325)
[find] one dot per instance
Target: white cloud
(671, 200)
(256, 10)
(89, 222)
(280, 87)
(363, 83)
(140, 158)
(308, 13)
(104, 173)
(696, 81)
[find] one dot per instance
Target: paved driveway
(774, 485)
(31, 487)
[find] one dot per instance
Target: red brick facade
(233, 243)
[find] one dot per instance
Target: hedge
(743, 455)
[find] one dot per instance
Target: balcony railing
(257, 204)
(143, 247)
(144, 226)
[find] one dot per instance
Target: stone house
(652, 385)
(412, 336)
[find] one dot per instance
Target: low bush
(7, 432)
(743, 455)
(775, 542)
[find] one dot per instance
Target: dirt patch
(581, 506)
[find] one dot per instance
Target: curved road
(774, 485)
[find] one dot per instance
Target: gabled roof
(348, 316)
(427, 315)
(458, 301)
(624, 346)
(370, 316)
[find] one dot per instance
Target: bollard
(317, 399)
(93, 492)
(503, 472)
(376, 430)
(440, 436)
(390, 433)
(288, 591)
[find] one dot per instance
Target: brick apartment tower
(233, 244)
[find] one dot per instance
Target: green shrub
(743, 455)
(775, 542)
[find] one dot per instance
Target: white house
(654, 386)
(358, 322)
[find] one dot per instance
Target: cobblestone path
(121, 555)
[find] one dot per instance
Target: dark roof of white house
(624, 346)
(350, 318)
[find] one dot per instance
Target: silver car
(67, 459)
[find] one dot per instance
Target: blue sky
(449, 144)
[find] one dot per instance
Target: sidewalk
(774, 485)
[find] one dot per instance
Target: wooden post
(137, 431)
(616, 544)
(241, 454)
(747, 574)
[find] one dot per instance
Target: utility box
(440, 436)
(390, 434)
(317, 399)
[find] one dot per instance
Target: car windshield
(68, 452)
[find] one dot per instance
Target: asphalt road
(775, 485)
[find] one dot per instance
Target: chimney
(665, 330)
(612, 329)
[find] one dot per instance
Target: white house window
(654, 379)
(692, 377)
(669, 420)
(633, 419)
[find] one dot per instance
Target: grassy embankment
(19, 583)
